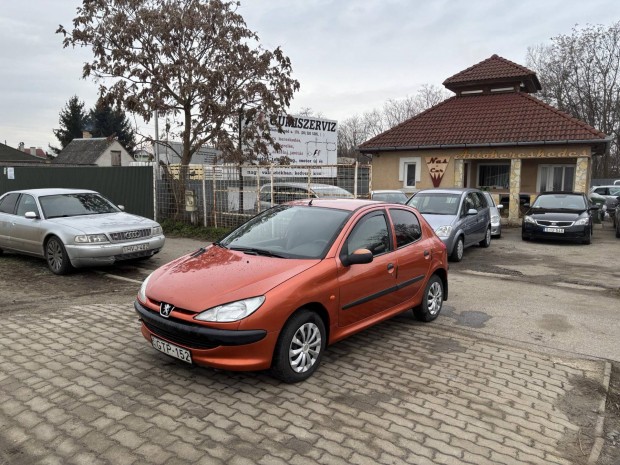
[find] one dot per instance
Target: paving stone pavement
(80, 385)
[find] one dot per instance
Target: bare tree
(580, 74)
(358, 129)
(192, 60)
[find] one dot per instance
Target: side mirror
(500, 206)
(472, 211)
(121, 207)
(31, 215)
(359, 257)
(593, 208)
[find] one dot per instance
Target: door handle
(426, 253)
(390, 266)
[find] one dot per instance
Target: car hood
(196, 282)
(555, 215)
(107, 222)
(439, 220)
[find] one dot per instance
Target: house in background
(35, 151)
(94, 151)
(493, 134)
(9, 155)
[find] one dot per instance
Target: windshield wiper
(253, 251)
(220, 245)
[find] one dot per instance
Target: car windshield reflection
(288, 232)
(560, 202)
(436, 203)
(66, 205)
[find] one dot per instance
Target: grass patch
(179, 229)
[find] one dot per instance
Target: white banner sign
(306, 141)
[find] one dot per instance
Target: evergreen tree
(73, 120)
(106, 121)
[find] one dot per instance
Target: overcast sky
(350, 56)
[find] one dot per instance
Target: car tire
(487, 239)
(56, 256)
(300, 347)
(432, 300)
(588, 238)
(524, 237)
(458, 250)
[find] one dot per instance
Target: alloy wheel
(54, 255)
(434, 298)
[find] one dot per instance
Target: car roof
(388, 191)
(340, 204)
(312, 185)
(51, 191)
(561, 193)
(449, 190)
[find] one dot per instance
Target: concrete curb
(599, 441)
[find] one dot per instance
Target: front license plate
(171, 349)
(135, 248)
(554, 230)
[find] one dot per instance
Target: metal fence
(226, 196)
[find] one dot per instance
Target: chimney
(33, 151)
(86, 135)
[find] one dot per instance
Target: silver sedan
(74, 228)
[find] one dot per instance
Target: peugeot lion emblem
(165, 309)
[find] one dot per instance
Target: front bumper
(218, 348)
(571, 233)
(496, 229)
(83, 255)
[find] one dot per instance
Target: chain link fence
(226, 196)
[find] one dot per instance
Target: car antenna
(310, 203)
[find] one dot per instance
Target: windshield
(390, 197)
(435, 203)
(560, 202)
(86, 203)
(288, 232)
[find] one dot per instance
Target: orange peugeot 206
(274, 292)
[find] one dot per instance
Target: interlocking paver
(97, 393)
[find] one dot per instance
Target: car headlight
(443, 231)
(142, 291)
(495, 219)
(529, 219)
(582, 221)
(157, 231)
(233, 311)
(91, 238)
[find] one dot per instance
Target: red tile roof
(493, 69)
(504, 118)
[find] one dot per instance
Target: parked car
(560, 216)
(274, 292)
(459, 216)
(617, 222)
(389, 196)
(496, 223)
(610, 193)
(74, 228)
(282, 192)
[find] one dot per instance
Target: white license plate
(171, 349)
(554, 230)
(135, 248)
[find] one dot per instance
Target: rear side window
(407, 227)
(7, 204)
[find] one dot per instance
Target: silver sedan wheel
(54, 255)
(305, 347)
(434, 298)
(459, 249)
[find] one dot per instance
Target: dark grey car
(459, 216)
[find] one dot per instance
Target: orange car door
(367, 289)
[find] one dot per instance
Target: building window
(408, 171)
(409, 174)
(116, 158)
(555, 178)
(494, 175)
